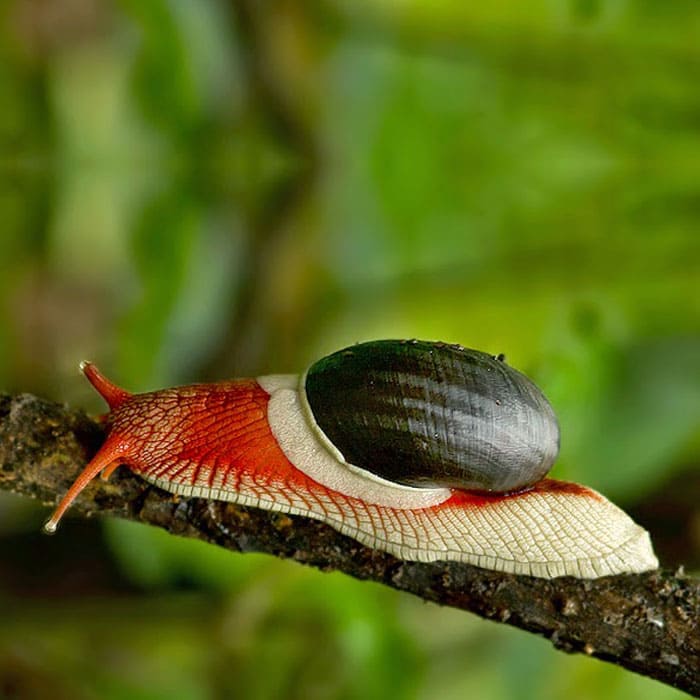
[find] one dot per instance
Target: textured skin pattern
(423, 413)
(208, 436)
(214, 441)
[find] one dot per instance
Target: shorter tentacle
(114, 395)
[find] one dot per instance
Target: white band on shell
(310, 451)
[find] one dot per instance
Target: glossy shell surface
(433, 414)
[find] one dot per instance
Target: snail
(425, 450)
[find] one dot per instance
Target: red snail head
(425, 450)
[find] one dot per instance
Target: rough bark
(646, 623)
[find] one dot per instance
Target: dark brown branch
(646, 623)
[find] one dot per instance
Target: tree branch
(647, 623)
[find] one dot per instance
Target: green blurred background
(200, 189)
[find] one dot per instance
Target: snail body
(427, 451)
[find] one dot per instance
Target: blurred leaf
(161, 250)
(155, 559)
(649, 413)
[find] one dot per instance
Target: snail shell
(426, 451)
(432, 414)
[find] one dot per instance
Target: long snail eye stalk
(425, 450)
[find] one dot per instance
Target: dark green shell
(427, 414)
